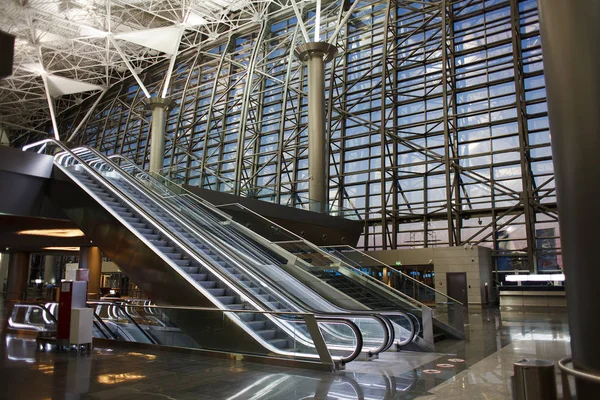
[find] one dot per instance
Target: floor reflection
(331, 387)
(474, 368)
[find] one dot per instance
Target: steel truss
(436, 119)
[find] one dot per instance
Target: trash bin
(534, 380)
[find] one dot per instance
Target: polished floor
(477, 368)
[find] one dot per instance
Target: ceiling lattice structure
(92, 44)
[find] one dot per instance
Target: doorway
(457, 286)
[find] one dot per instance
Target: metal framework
(436, 116)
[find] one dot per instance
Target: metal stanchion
(534, 380)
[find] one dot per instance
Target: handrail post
(318, 340)
(427, 317)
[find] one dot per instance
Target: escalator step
(247, 317)
(217, 291)
(256, 325)
(226, 299)
(138, 225)
(146, 231)
(160, 243)
(182, 263)
(202, 278)
(190, 270)
(267, 334)
(173, 256)
(151, 236)
(237, 307)
(165, 249)
(249, 284)
(279, 343)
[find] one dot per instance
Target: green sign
(398, 263)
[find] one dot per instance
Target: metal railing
(565, 371)
(122, 318)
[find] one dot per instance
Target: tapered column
(18, 268)
(570, 37)
(159, 108)
(50, 270)
(3, 271)
(315, 55)
(90, 258)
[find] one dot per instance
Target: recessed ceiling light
(61, 248)
(52, 232)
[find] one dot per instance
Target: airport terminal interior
(299, 199)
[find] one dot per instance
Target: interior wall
(475, 261)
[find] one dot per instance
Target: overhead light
(52, 232)
(536, 278)
(61, 248)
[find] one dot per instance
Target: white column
(315, 55)
(159, 108)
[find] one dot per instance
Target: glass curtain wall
(436, 116)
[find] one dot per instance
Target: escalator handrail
(97, 318)
(167, 209)
(130, 318)
(117, 191)
(388, 333)
(413, 328)
(398, 272)
(123, 197)
(388, 326)
(317, 249)
(159, 225)
(295, 316)
(167, 231)
(355, 329)
(287, 315)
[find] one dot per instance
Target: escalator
(369, 298)
(178, 266)
(338, 273)
(278, 264)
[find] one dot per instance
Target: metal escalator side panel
(136, 254)
(129, 184)
(144, 266)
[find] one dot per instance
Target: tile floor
(477, 368)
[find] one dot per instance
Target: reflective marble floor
(477, 368)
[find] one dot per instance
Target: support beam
(16, 284)
(172, 65)
(315, 55)
(159, 108)
(86, 116)
(90, 258)
(570, 37)
(50, 106)
(129, 66)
